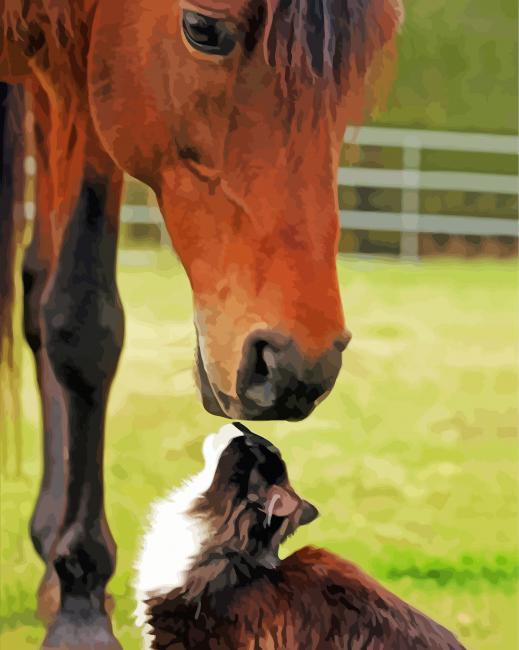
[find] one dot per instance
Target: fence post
(411, 162)
(164, 236)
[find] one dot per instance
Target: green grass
(412, 460)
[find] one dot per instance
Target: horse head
(234, 111)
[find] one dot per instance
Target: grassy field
(412, 460)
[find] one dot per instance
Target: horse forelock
(329, 40)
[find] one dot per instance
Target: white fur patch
(174, 539)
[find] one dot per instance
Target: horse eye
(207, 34)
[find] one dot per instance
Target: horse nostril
(260, 371)
(259, 383)
(276, 381)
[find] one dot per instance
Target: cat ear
(280, 502)
(274, 499)
(308, 513)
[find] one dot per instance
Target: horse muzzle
(275, 380)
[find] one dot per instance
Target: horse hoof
(49, 597)
(77, 633)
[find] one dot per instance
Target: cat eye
(207, 34)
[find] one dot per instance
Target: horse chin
(209, 401)
(214, 401)
(222, 405)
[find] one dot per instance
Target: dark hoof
(49, 596)
(81, 633)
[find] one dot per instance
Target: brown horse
(233, 112)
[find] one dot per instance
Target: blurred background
(412, 460)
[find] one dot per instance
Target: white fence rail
(422, 180)
(410, 179)
(428, 223)
(436, 140)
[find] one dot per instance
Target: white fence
(410, 180)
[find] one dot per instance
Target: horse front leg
(50, 505)
(49, 511)
(82, 334)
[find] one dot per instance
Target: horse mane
(25, 21)
(332, 40)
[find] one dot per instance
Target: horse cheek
(126, 91)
